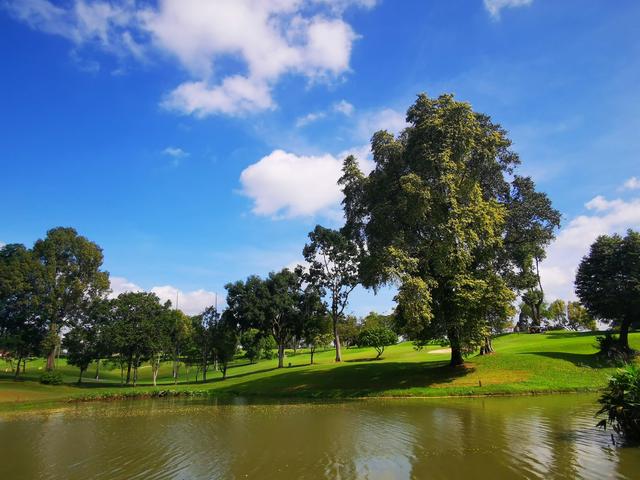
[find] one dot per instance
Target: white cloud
(632, 184)
(309, 118)
(121, 285)
(286, 185)
(191, 303)
(344, 107)
(385, 119)
(175, 152)
(565, 253)
(494, 7)
(268, 38)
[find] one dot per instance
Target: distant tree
(349, 330)
(135, 330)
(608, 281)
(203, 338)
(578, 317)
(82, 346)
(179, 334)
(252, 342)
(72, 279)
(374, 319)
(225, 340)
(22, 328)
(378, 338)
(333, 269)
(273, 305)
(530, 227)
(557, 314)
(317, 332)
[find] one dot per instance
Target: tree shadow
(349, 380)
(360, 360)
(589, 360)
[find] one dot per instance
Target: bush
(621, 403)
(51, 377)
(610, 348)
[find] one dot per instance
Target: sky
(199, 141)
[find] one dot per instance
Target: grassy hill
(523, 363)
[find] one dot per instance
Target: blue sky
(198, 141)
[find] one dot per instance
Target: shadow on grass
(590, 360)
(360, 360)
(349, 380)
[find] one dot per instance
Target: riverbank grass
(523, 363)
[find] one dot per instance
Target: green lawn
(523, 363)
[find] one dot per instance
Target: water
(526, 437)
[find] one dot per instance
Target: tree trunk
(456, 350)
(624, 335)
(135, 375)
(487, 346)
(380, 351)
(280, 355)
(98, 369)
(17, 374)
(224, 370)
(312, 350)
(336, 338)
(128, 371)
(80, 377)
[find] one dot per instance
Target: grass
(523, 363)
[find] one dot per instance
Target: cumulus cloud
(191, 303)
(573, 241)
(268, 38)
(632, 184)
(494, 7)
(287, 185)
(284, 185)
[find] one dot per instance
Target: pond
(519, 437)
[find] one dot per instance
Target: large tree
(72, 279)
(433, 217)
(333, 269)
(608, 281)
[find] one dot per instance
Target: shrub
(610, 348)
(51, 377)
(621, 403)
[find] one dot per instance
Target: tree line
(444, 216)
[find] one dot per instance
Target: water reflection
(531, 437)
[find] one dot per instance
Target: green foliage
(434, 217)
(608, 281)
(51, 377)
(610, 349)
(621, 403)
(578, 317)
(378, 338)
(348, 329)
(556, 313)
(333, 270)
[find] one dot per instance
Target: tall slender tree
(333, 270)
